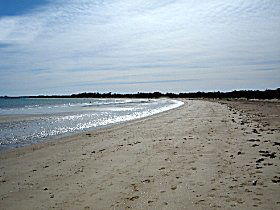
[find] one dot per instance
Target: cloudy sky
(70, 46)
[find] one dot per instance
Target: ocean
(26, 121)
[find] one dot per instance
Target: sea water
(25, 121)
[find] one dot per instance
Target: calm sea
(26, 121)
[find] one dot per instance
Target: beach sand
(202, 155)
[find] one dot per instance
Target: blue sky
(70, 46)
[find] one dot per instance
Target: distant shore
(245, 94)
(218, 154)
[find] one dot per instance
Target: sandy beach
(202, 155)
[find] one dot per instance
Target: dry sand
(203, 155)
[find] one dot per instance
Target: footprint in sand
(253, 140)
(173, 187)
(276, 179)
(135, 188)
(133, 198)
(146, 181)
(267, 154)
(276, 143)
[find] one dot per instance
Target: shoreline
(64, 138)
(59, 137)
(201, 155)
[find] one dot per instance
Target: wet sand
(203, 155)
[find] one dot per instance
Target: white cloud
(83, 42)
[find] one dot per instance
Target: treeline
(247, 94)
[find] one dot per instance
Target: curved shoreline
(60, 139)
(86, 125)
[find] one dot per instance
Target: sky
(129, 46)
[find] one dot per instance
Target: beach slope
(202, 155)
